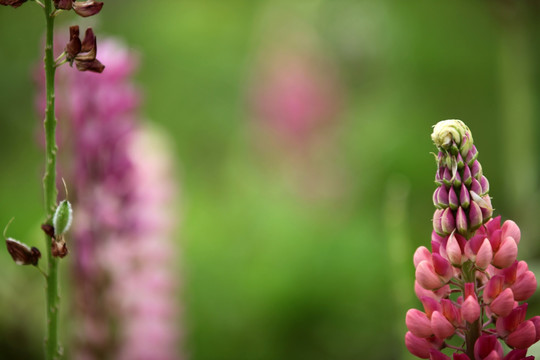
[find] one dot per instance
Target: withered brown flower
(13, 3)
(82, 8)
(83, 53)
(21, 253)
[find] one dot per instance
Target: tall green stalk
(52, 348)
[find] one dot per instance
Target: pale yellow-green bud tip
(447, 132)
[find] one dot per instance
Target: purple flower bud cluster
(123, 252)
(461, 198)
(470, 284)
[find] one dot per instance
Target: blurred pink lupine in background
(122, 245)
(296, 99)
(296, 94)
(474, 257)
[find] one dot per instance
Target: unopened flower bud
(459, 161)
(447, 177)
(484, 183)
(476, 170)
(470, 309)
(472, 155)
(475, 186)
(467, 176)
(439, 176)
(454, 149)
(475, 216)
(451, 132)
(21, 253)
(464, 197)
(436, 198)
(461, 221)
(487, 208)
(453, 201)
(457, 181)
(437, 225)
(442, 197)
(453, 250)
(62, 218)
(448, 222)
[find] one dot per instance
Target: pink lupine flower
(295, 99)
(487, 347)
(442, 328)
(523, 337)
(524, 286)
(421, 346)
(124, 218)
(296, 95)
(471, 253)
(418, 323)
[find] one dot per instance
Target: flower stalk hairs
(58, 215)
(470, 284)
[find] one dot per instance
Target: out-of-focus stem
(52, 348)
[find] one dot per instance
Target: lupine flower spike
(122, 241)
(474, 255)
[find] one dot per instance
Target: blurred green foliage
(269, 274)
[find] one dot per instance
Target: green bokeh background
(268, 273)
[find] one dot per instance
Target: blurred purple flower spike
(124, 280)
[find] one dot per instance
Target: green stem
(474, 329)
(52, 348)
